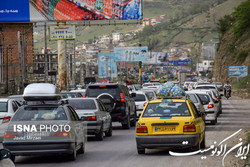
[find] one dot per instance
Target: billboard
(160, 58)
(131, 54)
(179, 63)
(62, 32)
(238, 70)
(69, 10)
(103, 59)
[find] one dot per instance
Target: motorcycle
(227, 95)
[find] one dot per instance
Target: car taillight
(6, 119)
(141, 129)
(145, 104)
(119, 116)
(84, 95)
(91, 118)
(61, 134)
(210, 106)
(189, 128)
(122, 97)
(218, 98)
(10, 134)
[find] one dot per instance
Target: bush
(242, 55)
(225, 23)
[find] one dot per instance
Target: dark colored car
(117, 100)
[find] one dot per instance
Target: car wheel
(13, 158)
(214, 122)
(99, 136)
(133, 122)
(127, 124)
(197, 147)
(203, 143)
(141, 150)
(109, 132)
(72, 156)
(82, 149)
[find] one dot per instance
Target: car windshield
(83, 104)
(205, 87)
(3, 106)
(94, 91)
(35, 113)
(168, 109)
(68, 95)
(193, 98)
(137, 87)
(204, 98)
(150, 94)
(139, 97)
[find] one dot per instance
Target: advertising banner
(238, 70)
(179, 63)
(103, 59)
(131, 54)
(157, 58)
(62, 32)
(69, 10)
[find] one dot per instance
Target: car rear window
(83, 104)
(204, 98)
(3, 106)
(94, 91)
(193, 98)
(35, 113)
(205, 87)
(150, 94)
(168, 109)
(139, 97)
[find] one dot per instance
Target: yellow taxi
(170, 123)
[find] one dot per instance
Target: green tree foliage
(242, 16)
(225, 23)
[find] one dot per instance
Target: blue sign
(14, 10)
(238, 70)
(179, 63)
(103, 59)
(131, 54)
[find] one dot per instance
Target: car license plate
(37, 134)
(165, 129)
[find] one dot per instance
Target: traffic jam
(44, 121)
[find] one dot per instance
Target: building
(207, 65)
(208, 51)
(117, 37)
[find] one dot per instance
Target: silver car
(209, 106)
(197, 102)
(95, 115)
(140, 101)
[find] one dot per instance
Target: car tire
(127, 124)
(197, 147)
(214, 122)
(109, 132)
(203, 143)
(133, 122)
(82, 149)
(99, 135)
(13, 158)
(72, 156)
(141, 150)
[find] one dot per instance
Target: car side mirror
(133, 94)
(4, 153)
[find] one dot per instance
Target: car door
(78, 129)
(103, 114)
(131, 102)
(107, 115)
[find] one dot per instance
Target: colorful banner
(103, 59)
(69, 10)
(179, 63)
(238, 70)
(131, 54)
(159, 58)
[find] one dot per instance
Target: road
(120, 149)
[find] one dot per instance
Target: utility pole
(106, 67)
(20, 62)
(46, 55)
(74, 65)
(62, 69)
(24, 58)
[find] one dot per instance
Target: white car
(141, 99)
(185, 85)
(8, 108)
(196, 100)
(151, 93)
(82, 91)
(210, 109)
(5, 158)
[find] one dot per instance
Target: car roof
(12, 96)
(4, 99)
(212, 85)
(43, 105)
(80, 98)
(139, 92)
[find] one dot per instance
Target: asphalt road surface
(120, 149)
